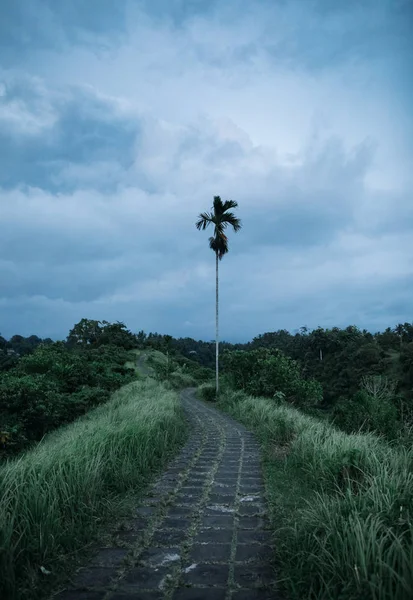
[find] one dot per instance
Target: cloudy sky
(121, 119)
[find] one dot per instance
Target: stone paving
(200, 533)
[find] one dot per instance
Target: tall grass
(341, 505)
(54, 497)
(169, 371)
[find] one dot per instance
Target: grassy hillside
(340, 504)
(56, 498)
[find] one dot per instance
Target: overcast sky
(120, 120)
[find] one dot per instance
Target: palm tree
(220, 216)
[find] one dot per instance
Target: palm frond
(218, 206)
(230, 219)
(228, 204)
(204, 219)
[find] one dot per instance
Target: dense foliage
(265, 372)
(366, 379)
(337, 358)
(11, 350)
(59, 381)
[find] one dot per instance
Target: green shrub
(265, 372)
(207, 392)
(202, 374)
(86, 398)
(32, 401)
(182, 380)
(191, 367)
(55, 384)
(367, 413)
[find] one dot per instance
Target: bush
(200, 374)
(34, 402)
(181, 380)
(207, 392)
(80, 402)
(54, 385)
(367, 413)
(266, 372)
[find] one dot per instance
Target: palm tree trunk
(216, 326)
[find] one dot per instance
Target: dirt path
(200, 534)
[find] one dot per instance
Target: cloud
(57, 24)
(61, 138)
(116, 132)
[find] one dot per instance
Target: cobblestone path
(200, 533)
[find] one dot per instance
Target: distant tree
(141, 338)
(86, 332)
(117, 334)
(220, 217)
(98, 333)
(3, 343)
(155, 340)
(22, 345)
(388, 339)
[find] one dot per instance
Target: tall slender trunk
(216, 326)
